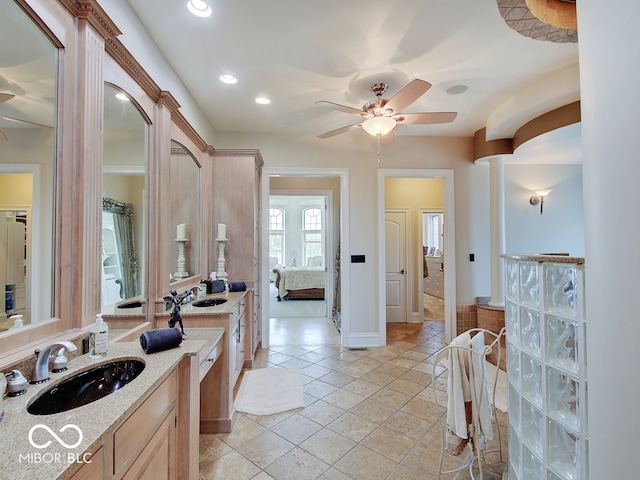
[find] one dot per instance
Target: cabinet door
(94, 470)
(157, 460)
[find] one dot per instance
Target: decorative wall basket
(519, 15)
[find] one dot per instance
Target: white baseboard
(364, 340)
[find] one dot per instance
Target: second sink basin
(209, 302)
(86, 387)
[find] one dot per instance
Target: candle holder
(221, 274)
(181, 273)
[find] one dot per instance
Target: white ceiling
(297, 52)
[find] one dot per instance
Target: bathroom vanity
(150, 425)
(238, 346)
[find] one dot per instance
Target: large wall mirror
(28, 73)
(125, 154)
(185, 222)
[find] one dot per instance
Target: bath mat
(270, 390)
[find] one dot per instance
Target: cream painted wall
(16, 189)
(357, 152)
(414, 194)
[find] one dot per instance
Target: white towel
(481, 401)
(459, 390)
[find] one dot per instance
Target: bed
(299, 282)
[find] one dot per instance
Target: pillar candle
(181, 231)
(222, 230)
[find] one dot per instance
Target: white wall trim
(450, 320)
(343, 175)
(366, 340)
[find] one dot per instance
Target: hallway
(368, 413)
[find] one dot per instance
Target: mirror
(125, 155)
(28, 73)
(185, 219)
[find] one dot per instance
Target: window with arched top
(313, 245)
(276, 234)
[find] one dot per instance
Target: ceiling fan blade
(341, 108)
(5, 96)
(26, 122)
(409, 94)
(339, 130)
(3, 136)
(425, 118)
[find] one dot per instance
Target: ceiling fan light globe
(378, 125)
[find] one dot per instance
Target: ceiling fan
(4, 97)
(380, 116)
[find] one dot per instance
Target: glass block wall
(546, 367)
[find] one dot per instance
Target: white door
(395, 225)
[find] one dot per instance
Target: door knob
(402, 271)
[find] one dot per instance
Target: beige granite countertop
(18, 457)
(545, 257)
(223, 309)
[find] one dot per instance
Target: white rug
(266, 391)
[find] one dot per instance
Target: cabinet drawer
(143, 421)
(207, 361)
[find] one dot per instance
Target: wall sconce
(538, 198)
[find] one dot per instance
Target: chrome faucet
(41, 367)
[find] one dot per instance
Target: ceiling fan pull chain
(379, 136)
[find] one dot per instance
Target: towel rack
(475, 435)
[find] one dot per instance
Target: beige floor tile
(319, 389)
(337, 378)
(211, 448)
(389, 443)
(352, 426)
(232, 465)
(296, 428)
(333, 474)
(322, 412)
(244, 429)
(365, 410)
(328, 445)
(391, 398)
(297, 464)
(344, 399)
(264, 449)
(374, 411)
(405, 386)
(408, 425)
(362, 388)
(362, 463)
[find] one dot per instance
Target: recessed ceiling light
(123, 97)
(263, 101)
(230, 79)
(457, 89)
(199, 8)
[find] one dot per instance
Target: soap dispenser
(98, 338)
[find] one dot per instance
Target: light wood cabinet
(143, 446)
(235, 201)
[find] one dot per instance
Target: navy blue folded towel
(153, 341)
(237, 286)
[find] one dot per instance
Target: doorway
(309, 181)
(432, 234)
(415, 275)
(299, 245)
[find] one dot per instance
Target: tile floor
(369, 414)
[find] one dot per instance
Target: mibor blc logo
(70, 437)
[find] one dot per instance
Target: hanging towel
(481, 400)
(459, 394)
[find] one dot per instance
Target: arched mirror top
(184, 234)
(124, 203)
